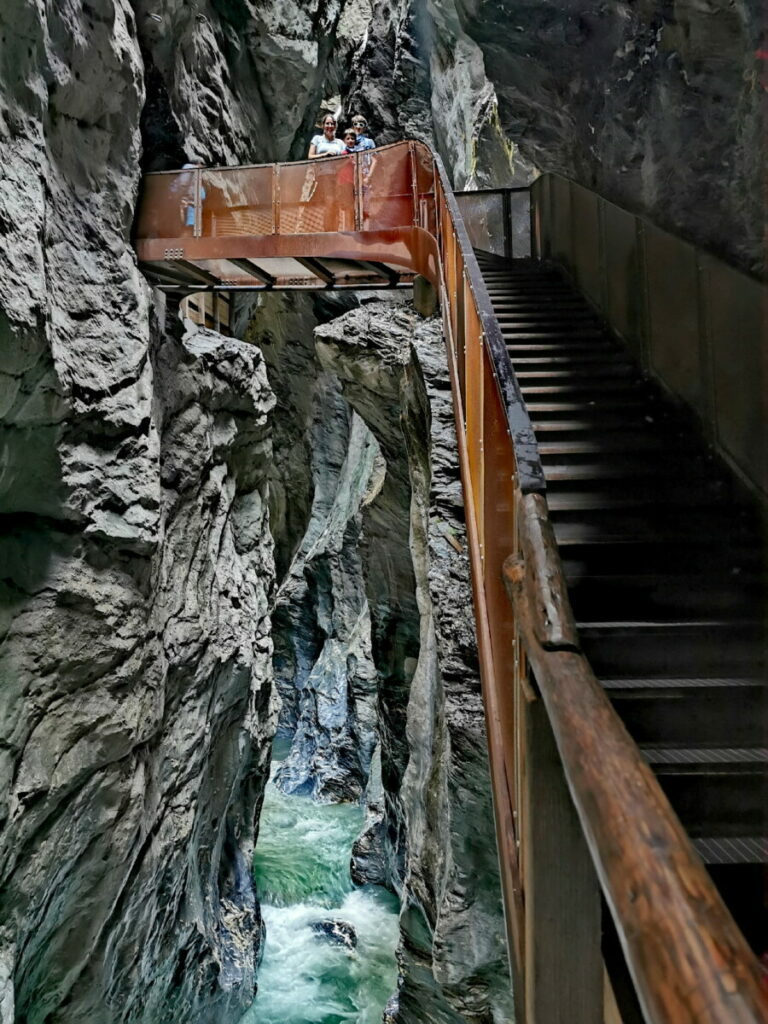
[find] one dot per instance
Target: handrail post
(438, 213)
(563, 960)
(358, 195)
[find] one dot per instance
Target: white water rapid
(301, 869)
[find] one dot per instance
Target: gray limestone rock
(137, 715)
(436, 792)
(338, 933)
(656, 106)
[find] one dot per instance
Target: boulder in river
(340, 933)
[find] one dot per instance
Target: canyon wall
(375, 646)
(659, 107)
(437, 845)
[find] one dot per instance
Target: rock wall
(657, 106)
(134, 569)
(660, 107)
(430, 827)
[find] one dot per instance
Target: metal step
(717, 792)
(577, 347)
(589, 391)
(664, 596)
(577, 334)
(585, 361)
(602, 375)
(695, 712)
(733, 849)
(703, 647)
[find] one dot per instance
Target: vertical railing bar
(275, 198)
(198, 202)
(358, 195)
(438, 212)
(506, 200)
(414, 184)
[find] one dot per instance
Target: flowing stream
(301, 869)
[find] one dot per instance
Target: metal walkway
(615, 575)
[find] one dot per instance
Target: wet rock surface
(339, 933)
(656, 106)
(147, 742)
(135, 562)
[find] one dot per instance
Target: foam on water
(302, 875)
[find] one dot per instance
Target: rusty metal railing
(564, 770)
(262, 226)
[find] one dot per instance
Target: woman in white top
(326, 144)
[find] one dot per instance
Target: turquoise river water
(302, 877)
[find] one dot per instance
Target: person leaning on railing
(346, 175)
(185, 185)
(364, 141)
(326, 144)
(320, 192)
(363, 144)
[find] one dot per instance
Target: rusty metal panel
(587, 243)
(499, 533)
(625, 277)
(237, 201)
(673, 307)
(317, 195)
(167, 206)
(560, 234)
(736, 331)
(387, 188)
(425, 169)
(452, 283)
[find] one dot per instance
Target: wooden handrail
(689, 961)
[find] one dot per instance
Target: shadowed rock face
(374, 572)
(135, 676)
(137, 689)
(657, 106)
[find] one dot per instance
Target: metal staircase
(661, 558)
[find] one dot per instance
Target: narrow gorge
(235, 604)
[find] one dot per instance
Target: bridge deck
(366, 220)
